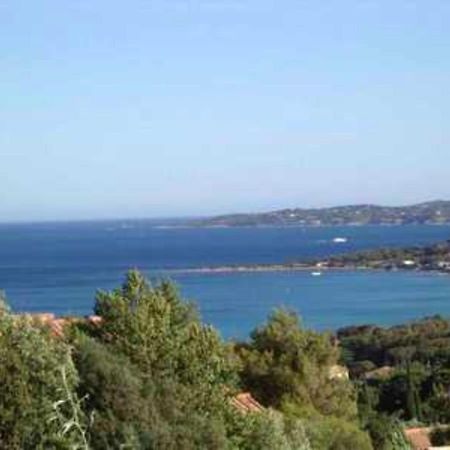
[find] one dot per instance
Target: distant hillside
(436, 212)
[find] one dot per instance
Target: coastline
(261, 268)
(248, 268)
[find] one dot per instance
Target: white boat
(340, 240)
(316, 274)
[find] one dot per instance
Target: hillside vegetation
(402, 372)
(436, 212)
(434, 257)
(150, 375)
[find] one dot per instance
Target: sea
(59, 267)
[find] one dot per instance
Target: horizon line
(205, 216)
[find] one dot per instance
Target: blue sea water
(58, 267)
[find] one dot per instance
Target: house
(57, 324)
(381, 373)
(338, 372)
(419, 439)
(245, 403)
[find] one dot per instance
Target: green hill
(435, 212)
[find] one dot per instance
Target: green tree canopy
(38, 404)
(285, 364)
(176, 374)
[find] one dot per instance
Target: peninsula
(433, 213)
(434, 257)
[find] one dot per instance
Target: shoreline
(296, 268)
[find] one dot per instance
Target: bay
(57, 267)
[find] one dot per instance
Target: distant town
(434, 258)
(433, 213)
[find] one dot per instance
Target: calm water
(58, 267)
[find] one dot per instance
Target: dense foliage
(403, 372)
(437, 212)
(288, 368)
(151, 375)
(38, 404)
(156, 378)
(432, 257)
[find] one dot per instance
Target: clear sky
(189, 107)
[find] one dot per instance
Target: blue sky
(192, 107)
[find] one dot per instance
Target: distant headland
(433, 258)
(432, 213)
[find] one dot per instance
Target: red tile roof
(380, 373)
(57, 324)
(419, 438)
(94, 320)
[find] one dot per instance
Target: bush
(156, 378)
(39, 408)
(269, 430)
(331, 433)
(286, 364)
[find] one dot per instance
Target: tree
(163, 337)
(287, 366)
(332, 433)
(176, 375)
(37, 379)
(113, 391)
(268, 430)
(386, 433)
